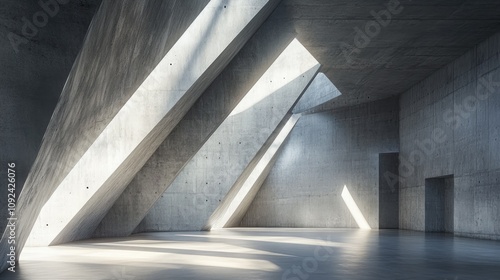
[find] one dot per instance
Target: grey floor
(266, 254)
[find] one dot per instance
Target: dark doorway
(388, 192)
(439, 204)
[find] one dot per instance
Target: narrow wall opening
(439, 204)
(388, 193)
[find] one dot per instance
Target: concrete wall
(206, 179)
(99, 83)
(88, 191)
(320, 91)
(31, 79)
(450, 125)
(324, 152)
(235, 205)
(208, 112)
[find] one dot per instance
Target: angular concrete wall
(450, 125)
(324, 152)
(209, 111)
(205, 180)
(32, 79)
(110, 67)
(320, 91)
(235, 204)
(82, 199)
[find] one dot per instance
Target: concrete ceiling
(425, 36)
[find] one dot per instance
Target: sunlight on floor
(263, 253)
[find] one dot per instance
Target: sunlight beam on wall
(354, 209)
(256, 175)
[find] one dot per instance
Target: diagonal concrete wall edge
(235, 204)
(206, 47)
(322, 90)
(100, 82)
(205, 180)
(194, 130)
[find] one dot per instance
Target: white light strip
(254, 176)
(354, 209)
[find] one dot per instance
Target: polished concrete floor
(296, 254)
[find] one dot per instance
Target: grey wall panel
(324, 152)
(449, 124)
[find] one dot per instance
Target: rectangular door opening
(439, 204)
(388, 191)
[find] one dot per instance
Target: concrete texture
(388, 191)
(324, 152)
(288, 254)
(31, 79)
(235, 204)
(63, 143)
(320, 91)
(215, 105)
(439, 204)
(449, 125)
(145, 120)
(205, 180)
(85, 106)
(420, 38)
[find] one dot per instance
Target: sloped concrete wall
(99, 83)
(32, 78)
(146, 119)
(450, 125)
(324, 152)
(235, 204)
(208, 112)
(202, 184)
(319, 92)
